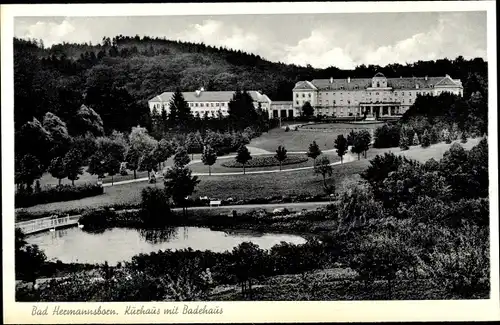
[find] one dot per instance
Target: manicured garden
(266, 161)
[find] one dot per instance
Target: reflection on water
(120, 244)
(158, 236)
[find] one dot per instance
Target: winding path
(347, 158)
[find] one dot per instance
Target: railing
(37, 225)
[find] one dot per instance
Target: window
(395, 94)
(348, 102)
(212, 104)
(378, 84)
(402, 94)
(201, 105)
(334, 102)
(297, 102)
(409, 100)
(309, 95)
(376, 93)
(223, 104)
(297, 95)
(196, 104)
(303, 95)
(217, 104)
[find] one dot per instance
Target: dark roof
(209, 96)
(282, 103)
(395, 83)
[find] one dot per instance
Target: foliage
(181, 157)
(27, 170)
(243, 156)
(415, 141)
(179, 184)
(341, 145)
(59, 193)
(28, 258)
(404, 142)
(314, 151)
(73, 165)
(426, 140)
(324, 169)
(360, 142)
(194, 143)
(266, 161)
(209, 157)
(155, 208)
(86, 121)
(281, 154)
(387, 136)
(307, 109)
(61, 140)
(241, 109)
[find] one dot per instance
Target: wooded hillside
(117, 77)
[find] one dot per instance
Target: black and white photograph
(251, 157)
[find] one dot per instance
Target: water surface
(121, 244)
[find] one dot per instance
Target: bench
(215, 203)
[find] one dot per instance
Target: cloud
(319, 51)
(53, 33)
(216, 33)
(451, 36)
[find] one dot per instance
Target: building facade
(280, 109)
(207, 102)
(378, 96)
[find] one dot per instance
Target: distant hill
(118, 76)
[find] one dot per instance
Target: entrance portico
(379, 109)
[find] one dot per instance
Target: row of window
(207, 104)
(212, 112)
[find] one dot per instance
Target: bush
(56, 194)
(387, 136)
(155, 207)
(267, 161)
(287, 129)
(97, 220)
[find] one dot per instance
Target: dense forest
(118, 76)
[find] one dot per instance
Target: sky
(321, 40)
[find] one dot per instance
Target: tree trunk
(209, 171)
(358, 155)
(60, 179)
(73, 182)
(135, 175)
(314, 162)
(280, 165)
(112, 180)
(243, 169)
(192, 155)
(148, 173)
(341, 159)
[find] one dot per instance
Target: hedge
(268, 161)
(56, 194)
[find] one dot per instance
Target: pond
(121, 244)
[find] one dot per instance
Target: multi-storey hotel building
(378, 96)
(207, 102)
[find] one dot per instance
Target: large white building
(378, 96)
(209, 102)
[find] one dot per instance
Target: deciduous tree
(209, 158)
(243, 156)
(314, 151)
(341, 146)
(280, 154)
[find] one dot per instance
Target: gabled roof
(395, 83)
(447, 81)
(209, 96)
(304, 85)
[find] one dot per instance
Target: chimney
(331, 80)
(202, 89)
(426, 78)
(198, 92)
(348, 79)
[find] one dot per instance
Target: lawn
(199, 167)
(246, 186)
(293, 140)
(235, 186)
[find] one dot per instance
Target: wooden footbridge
(48, 223)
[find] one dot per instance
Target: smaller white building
(283, 109)
(207, 102)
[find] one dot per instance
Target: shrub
(57, 194)
(155, 208)
(387, 136)
(97, 220)
(287, 129)
(267, 161)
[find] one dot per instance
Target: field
(237, 186)
(323, 134)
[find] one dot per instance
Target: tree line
(119, 76)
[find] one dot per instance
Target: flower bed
(267, 161)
